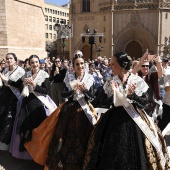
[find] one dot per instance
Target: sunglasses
(2, 63)
(145, 65)
(57, 61)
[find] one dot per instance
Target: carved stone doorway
(86, 52)
(134, 50)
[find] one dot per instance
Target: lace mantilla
(15, 75)
(141, 86)
(70, 77)
(40, 78)
(107, 88)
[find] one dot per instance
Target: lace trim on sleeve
(16, 75)
(41, 76)
(88, 80)
(141, 86)
(107, 88)
(69, 77)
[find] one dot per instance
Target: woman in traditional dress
(33, 109)
(125, 137)
(76, 120)
(9, 96)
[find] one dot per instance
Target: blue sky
(57, 2)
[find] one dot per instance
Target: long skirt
(56, 90)
(69, 142)
(15, 140)
(117, 143)
(8, 103)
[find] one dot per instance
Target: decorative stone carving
(134, 21)
(132, 4)
(136, 30)
(137, 6)
(165, 4)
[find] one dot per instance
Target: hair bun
(78, 52)
(124, 60)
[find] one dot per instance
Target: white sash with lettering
(70, 82)
(121, 100)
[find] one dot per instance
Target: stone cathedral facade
(127, 25)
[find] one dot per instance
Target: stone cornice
(141, 5)
(165, 5)
(37, 3)
(138, 4)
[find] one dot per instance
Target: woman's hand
(157, 58)
(29, 81)
(25, 82)
(131, 89)
(3, 77)
(113, 85)
(76, 88)
(82, 87)
(144, 58)
(56, 71)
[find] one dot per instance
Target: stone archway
(134, 50)
(144, 39)
(86, 52)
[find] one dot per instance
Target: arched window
(86, 6)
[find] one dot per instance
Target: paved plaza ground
(11, 163)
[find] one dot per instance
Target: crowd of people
(49, 111)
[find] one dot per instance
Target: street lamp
(63, 44)
(63, 33)
(91, 37)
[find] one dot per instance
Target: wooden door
(134, 50)
(86, 52)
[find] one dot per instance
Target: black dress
(117, 143)
(33, 111)
(69, 142)
(8, 105)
